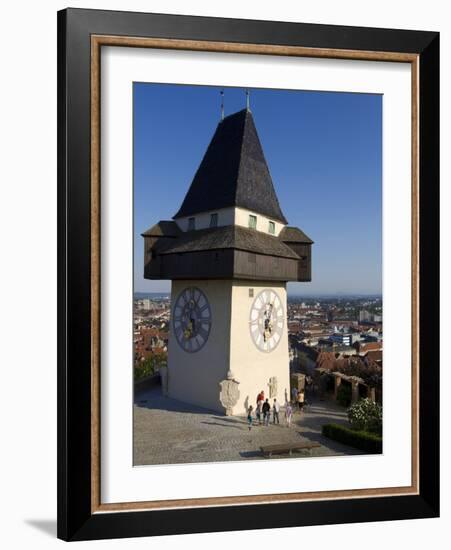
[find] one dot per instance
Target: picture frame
(81, 35)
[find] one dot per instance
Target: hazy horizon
(290, 293)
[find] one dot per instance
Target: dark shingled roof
(230, 236)
(233, 172)
(163, 229)
(294, 235)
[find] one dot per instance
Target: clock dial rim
(191, 345)
(258, 319)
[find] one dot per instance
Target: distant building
(294, 327)
(342, 338)
(345, 334)
(365, 316)
(364, 347)
(146, 304)
(373, 336)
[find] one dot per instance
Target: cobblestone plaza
(167, 431)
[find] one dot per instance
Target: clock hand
(269, 312)
(189, 323)
(268, 325)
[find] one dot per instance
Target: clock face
(266, 320)
(191, 319)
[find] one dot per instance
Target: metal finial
(222, 104)
(248, 108)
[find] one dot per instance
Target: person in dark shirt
(266, 412)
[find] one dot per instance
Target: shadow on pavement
(330, 444)
(154, 400)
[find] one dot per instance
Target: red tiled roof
(370, 346)
(374, 355)
(325, 360)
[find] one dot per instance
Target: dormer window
(272, 228)
(191, 224)
(252, 221)
(214, 220)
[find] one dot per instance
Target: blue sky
(324, 152)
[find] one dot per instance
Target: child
(249, 417)
(288, 414)
(259, 412)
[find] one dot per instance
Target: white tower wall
(251, 367)
(194, 377)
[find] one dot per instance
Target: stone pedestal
(229, 393)
(337, 385)
(272, 385)
(372, 394)
(355, 391)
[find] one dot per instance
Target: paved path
(167, 431)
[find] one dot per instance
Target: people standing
(266, 411)
(288, 414)
(294, 395)
(259, 411)
(301, 399)
(275, 412)
(249, 417)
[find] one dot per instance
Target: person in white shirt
(275, 411)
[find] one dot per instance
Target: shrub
(344, 395)
(365, 441)
(149, 366)
(366, 415)
(143, 369)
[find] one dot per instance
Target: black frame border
(75, 520)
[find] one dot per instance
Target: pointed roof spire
(222, 104)
(233, 173)
(248, 108)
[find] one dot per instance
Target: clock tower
(229, 253)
